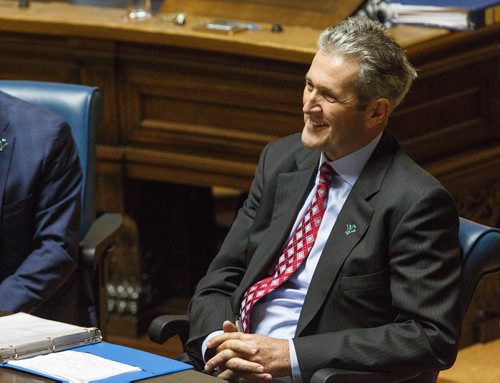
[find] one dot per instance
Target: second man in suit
(40, 182)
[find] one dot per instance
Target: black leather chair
(81, 107)
(481, 255)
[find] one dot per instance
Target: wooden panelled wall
(181, 108)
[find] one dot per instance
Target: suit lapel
(5, 160)
(350, 227)
(356, 211)
(291, 190)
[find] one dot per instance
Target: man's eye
(309, 86)
(329, 97)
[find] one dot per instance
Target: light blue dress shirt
(277, 314)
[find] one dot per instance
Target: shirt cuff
(204, 345)
(296, 374)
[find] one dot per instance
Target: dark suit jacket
(384, 298)
(40, 180)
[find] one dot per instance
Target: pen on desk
(238, 324)
(252, 27)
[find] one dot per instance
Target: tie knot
(326, 173)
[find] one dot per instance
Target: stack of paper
(450, 14)
(24, 335)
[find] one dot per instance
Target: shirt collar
(351, 165)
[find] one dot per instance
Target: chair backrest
(481, 255)
(81, 107)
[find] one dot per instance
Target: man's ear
(378, 111)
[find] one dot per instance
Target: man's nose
(311, 104)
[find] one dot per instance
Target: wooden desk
(8, 375)
(196, 108)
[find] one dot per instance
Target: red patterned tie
(295, 252)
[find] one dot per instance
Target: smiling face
(333, 120)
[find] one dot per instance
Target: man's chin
(310, 142)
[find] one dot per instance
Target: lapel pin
(3, 144)
(350, 228)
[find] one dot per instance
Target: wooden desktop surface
(297, 44)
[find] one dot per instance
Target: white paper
(74, 366)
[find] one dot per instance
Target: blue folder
(151, 364)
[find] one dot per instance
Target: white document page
(74, 366)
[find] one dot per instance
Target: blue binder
(467, 4)
(467, 14)
(151, 365)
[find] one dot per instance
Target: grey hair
(384, 69)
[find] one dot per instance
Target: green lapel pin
(350, 228)
(3, 144)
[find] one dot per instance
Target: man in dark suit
(378, 290)
(40, 181)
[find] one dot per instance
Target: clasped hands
(248, 357)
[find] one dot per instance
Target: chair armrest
(102, 235)
(337, 375)
(94, 247)
(165, 327)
